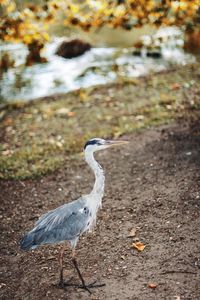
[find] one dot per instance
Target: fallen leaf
(2, 285)
(152, 285)
(177, 297)
(132, 232)
(44, 268)
(175, 86)
(59, 144)
(31, 134)
(8, 121)
(71, 114)
(62, 111)
(139, 117)
(7, 152)
(52, 141)
(169, 107)
(50, 257)
(139, 246)
(83, 95)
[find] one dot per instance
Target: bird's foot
(64, 284)
(92, 285)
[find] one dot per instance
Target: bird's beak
(115, 143)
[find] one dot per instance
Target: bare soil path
(152, 185)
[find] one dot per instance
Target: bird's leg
(60, 259)
(62, 284)
(78, 271)
(83, 286)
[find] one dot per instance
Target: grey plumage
(65, 223)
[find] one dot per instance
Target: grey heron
(69, 221)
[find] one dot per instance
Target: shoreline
(38, 136)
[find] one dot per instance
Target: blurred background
(95, 68)
(50, 47)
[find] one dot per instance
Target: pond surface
(98, 66)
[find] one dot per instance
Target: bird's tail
(28, 242)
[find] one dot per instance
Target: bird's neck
(98, 188)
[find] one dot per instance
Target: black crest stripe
(91, 142)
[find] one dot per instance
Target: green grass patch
(39, 137)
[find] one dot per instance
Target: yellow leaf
(27, 39)
(74, 8)
(139, 246)
(82, 94)
(11, 7)
(46, 36)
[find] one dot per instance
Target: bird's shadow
(69, 283)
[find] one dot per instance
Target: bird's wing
(56, 215)
(66, 222)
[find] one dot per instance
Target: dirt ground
(152, 185)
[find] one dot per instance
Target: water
(97, 66)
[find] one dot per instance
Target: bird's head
(97, 144)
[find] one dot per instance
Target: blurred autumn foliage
(29, 22)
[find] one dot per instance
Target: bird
(69, 221)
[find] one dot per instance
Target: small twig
(22, 183)
(173, 272)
